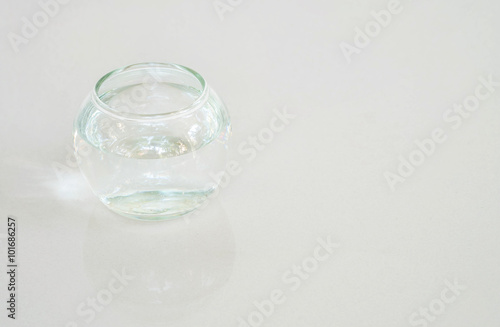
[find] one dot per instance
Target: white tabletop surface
(319, 228)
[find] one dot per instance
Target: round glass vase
(150, 139)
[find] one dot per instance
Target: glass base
(156, 205)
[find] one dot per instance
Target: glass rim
(198, 102)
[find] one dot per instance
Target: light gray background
(322, 176)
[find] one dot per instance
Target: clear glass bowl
(150, 139)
